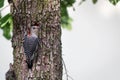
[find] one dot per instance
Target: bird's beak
(38, 27)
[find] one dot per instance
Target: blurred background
(91, 50)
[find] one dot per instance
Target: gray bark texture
(48, 65)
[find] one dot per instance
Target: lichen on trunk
(49, 62)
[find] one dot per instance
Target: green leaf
(1, 3)
(94, 1)
(114, 2)
(67, 3)
(6, 31)
(5, 19)
(0, 18)
(6, 24)
(66, 23)
(0, 15)
(65, 19)
(11, 23)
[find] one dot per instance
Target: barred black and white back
(30, 45)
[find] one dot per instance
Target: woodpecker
(30, 45)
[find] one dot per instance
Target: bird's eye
(33, 27)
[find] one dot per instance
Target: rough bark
(49, 62)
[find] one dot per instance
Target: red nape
(28, 32)
(36, 24)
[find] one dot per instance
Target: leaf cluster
(114, 2)
(65, 18)
(6, 24)
(1, 3)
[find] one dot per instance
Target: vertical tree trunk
(49, 61)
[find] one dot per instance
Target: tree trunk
(49, 62)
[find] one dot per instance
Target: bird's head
(35, 29)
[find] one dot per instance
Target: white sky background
(91, 50)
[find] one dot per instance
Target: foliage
(114, 2)
(6, 25)
(94, 1)
(6, 21)
(65, 19)
(1, 3)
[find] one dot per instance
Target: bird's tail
(30, 63)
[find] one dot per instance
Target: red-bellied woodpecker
(30, 45)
